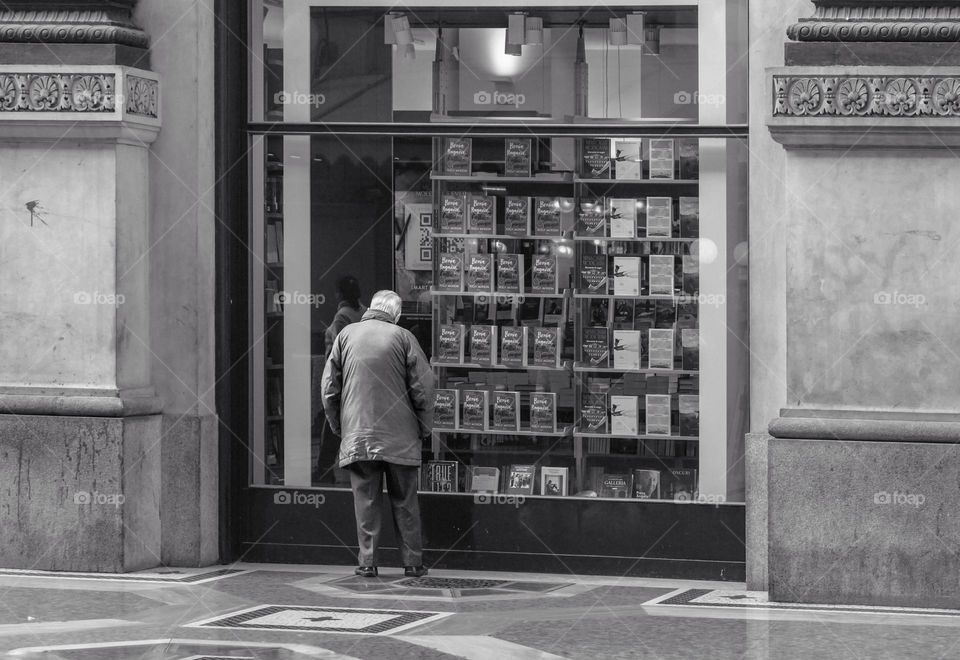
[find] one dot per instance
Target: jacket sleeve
(420, 385)
(331, 386)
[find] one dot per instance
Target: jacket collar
(377, 315)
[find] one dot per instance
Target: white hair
(387, 302)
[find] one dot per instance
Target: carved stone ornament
(866, 96)
(141, 96)
(71, 21)
(879, 20)
(57, 92)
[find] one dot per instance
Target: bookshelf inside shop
(565, 317)
(273, 311)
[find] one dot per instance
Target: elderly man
(378, 397)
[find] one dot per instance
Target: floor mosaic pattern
(322, 619)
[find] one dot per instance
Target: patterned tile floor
(279, 612)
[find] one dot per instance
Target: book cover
(446, 410)
(646, 484)
(554, 311)
(661, 274)
(474, 410)
(553, 481)
(480, 272)
(623, 217)
(596, 158)
(483, 344)
(624, 415)
(450, 344)
(616, 485)
(520, 481)
(660, 348)
(450, 272)
(658, 414)
(457, 156)
(623, 314)
(593, 273)
(690, 348)
(591, 218)
(593, 416)
(661, 158)
(516, 216)
(689, 149)
(518, 157)
(690, 275)
(506, 411)
(689, 217)
(689, 407)
(510, 273)
(529, 312)
(547, 217)
(626, 276)
(679, 484)
(543, 274)
(627, 162)
(483, 214)
(659, 217)
(442, 477)
(453, 213)
(596, 347)
(543, 411)
(626, 350)
(484, 479)
(513, 346)
(546, 347)
(598, 315)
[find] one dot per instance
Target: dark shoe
(366, 571)
(415, 571)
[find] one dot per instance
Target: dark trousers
(366, 479)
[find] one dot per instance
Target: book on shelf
(554, 481)
(484, 479)
(679, 484)
(658, 414)
(646, 484)
(457, 155)
(510, 273)
(661, 274)
(475, 410)
(689, 407)
(513, 346)
(595, 347)
(520, 480)
(453, 213)
(599, 313)
(690, 348)
(626, 350)
(543, 274)
(543, 411)
(516, 216)
(275, 396)
(592, 218)
(689, 217)
(593, 273)
(624, 415)
(482, 218)
(689, 149)
(623, 314)
(450, 343)
(442, 477)
(595, 157)
(690, 273)
(450, 272)
(593, 406)
(659, 217)
(505, 309)
(483, 344)
(529, 311)
(446, 409)
(506, 411)
(554, 311)
(660, 345)
(274, 242)
(546, 347)
(616, 485)
(661, 158)
(546, 221)
(272, 303)
(518, 157)
(480, 272)
(623, 217)
(628, 162)
(626, 276)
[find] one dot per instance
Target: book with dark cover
(446, 411)
(457, 156)
(626, 350)
(474, 410)
(593, 416)
(518, 157)
(624, 415)
(658, 414)
(690, 348)
(689, 217)
(596, 158)
(546, 347)
(543, 411)
(689, 415)
(442, 477)
(646, 484)
(506, 411)
(596, 347)
(543, 274)
(623, 217)
(592, 218)
(510, 273)
(513, 346)
(623, 314)
(599, 313)
(483, 344)
(627, 162)
(553, 481)
(593, 273)
(450, 344)
(483, 214)
(484, 479)
(659, 217)
(554, 311)
(689, 149)
(516, 216)
(679, 484)
(660, 348)
(521, 479)
(480, 272)
(450, 272)
(453, 213)
(626, 276)
(616, 485)
(547, 217)
(661, 158)
(528, 312)
(691, 275)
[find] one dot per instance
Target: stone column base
(756, 509)
(80, 493)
